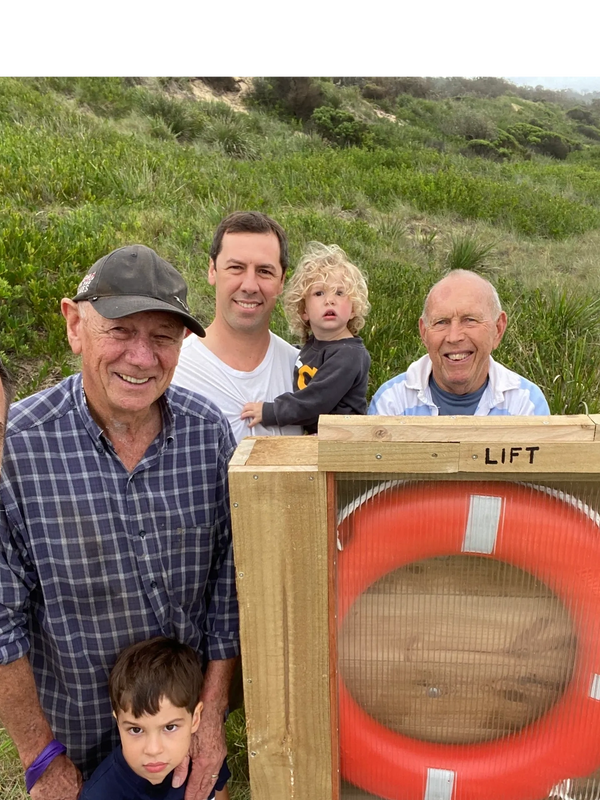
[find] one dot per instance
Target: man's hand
(23, 718)
(253, 412)
(61, 781)
(207, 750)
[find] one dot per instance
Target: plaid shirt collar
(97, 435)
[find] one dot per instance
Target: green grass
(12, 784)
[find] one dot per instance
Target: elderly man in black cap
(114, 527)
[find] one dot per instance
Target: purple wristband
(35, 771)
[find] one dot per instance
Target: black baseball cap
(135, 278)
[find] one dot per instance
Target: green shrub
(507, 142)
(554, 145)
(288, 97)
(590, 131)
(469, 124)
(231, 139)
(468, 253)
(182, 117)
(583, 115)
(386, 133)
(107, 97)
(414, 86)
(524, 133)
(485, 149)
(339, 127)
(551, 338)
(159, 129)
(541, 141)
(374, 91)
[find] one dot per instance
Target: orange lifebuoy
(554, 538)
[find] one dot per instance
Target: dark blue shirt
(94, 558)
(449, 404)
(115, 780)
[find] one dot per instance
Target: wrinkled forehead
(457, 296)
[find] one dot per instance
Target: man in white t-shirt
(240, 360)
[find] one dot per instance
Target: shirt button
(100, 449)
(153, 585)
(142, 534)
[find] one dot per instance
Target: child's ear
(196, 716)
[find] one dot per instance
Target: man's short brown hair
(147, 671)
(250, 222)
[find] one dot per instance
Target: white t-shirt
(230, 389)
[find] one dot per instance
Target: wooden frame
(283, 512)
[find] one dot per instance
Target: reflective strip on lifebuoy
(552, 538)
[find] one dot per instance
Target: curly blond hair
(327, 264)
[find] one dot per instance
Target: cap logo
(180, 301)
(85, 283)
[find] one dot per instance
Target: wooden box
(286, 496)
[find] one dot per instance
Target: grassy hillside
(410, 176)
(87, 165)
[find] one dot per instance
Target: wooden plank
(333, 641)
(527, 456)
(242, 452)
(595, 418)
(578, 428)
(280, 542)
(457, 649)
(273, 451)
(414, 457)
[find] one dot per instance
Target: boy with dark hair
(154, 691)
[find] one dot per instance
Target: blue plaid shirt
(93, 558)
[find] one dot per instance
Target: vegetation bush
(504, 141)
(551, 338)
(524, 133)
(541, 141)
(182, 117)
(485, 149)
(231, 139)
(375, 91)
(288, 97)
(339, 127)
(390, 88)
(107, 97)
(467, 252)
(470, 124)
(554, 145)
(589, 131)
(583, 115)
(492, 87)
